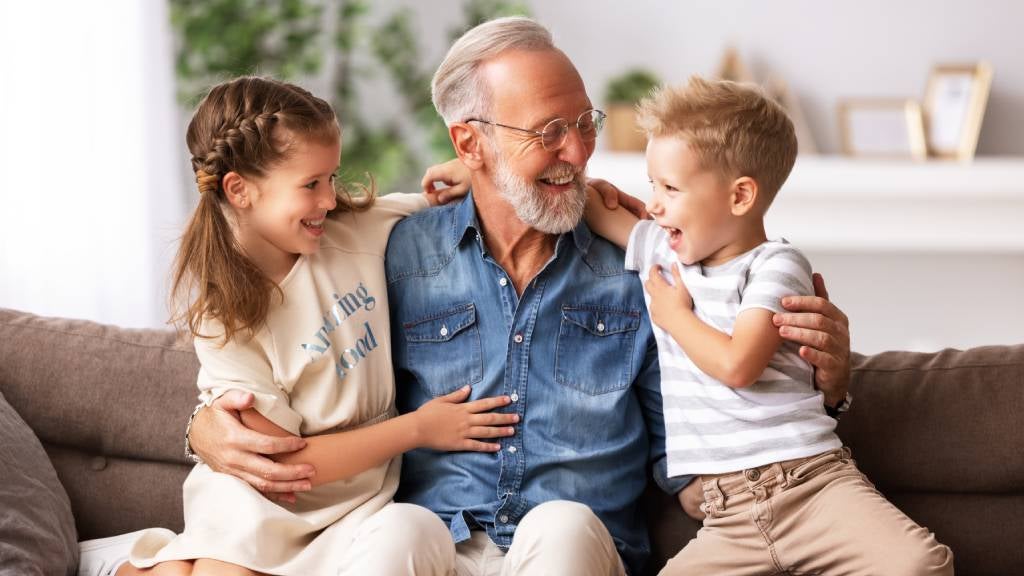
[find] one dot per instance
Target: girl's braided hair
(247, 125)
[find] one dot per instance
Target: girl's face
(287, 207)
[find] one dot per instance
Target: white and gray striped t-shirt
(710, 427)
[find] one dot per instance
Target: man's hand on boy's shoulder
(823, 331)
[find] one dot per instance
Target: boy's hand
(452, 174)
(667, 299)
(823, 332)
(450, 423)
(691, 497)
(613, 198)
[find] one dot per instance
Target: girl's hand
(452, 174)
(450, 423)
(667, 300)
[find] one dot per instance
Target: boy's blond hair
(734, 129)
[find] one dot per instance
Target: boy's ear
(468, 146)
(236, 189)
(744, 195)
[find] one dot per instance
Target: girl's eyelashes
(312, 185)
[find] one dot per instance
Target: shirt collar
(464, 221)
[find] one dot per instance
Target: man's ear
(468, 145)
(743, 195)
(236, 189)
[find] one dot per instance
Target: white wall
(90, 198)
(826, 51)
(91, 156)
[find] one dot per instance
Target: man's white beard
(548, 213)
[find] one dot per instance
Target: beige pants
(557, 538)
(400, 540)
(816, 515)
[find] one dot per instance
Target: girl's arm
(737, 360)
(444, 423)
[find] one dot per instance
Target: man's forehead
(539, 84)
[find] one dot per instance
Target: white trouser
(557, 538)
(400, 540)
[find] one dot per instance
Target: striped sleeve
(641, 245)
(780, 270)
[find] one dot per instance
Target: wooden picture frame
(954, 106)
(882, 128)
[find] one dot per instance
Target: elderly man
(509, 292)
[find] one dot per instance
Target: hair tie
(206, 182)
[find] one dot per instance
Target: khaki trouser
(557, 538)
(816, 515)
(400, 540)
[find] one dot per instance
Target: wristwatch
(837, 410)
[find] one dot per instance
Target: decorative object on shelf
(621, 96)
(732, 67)
(882, 128)
(954, 105)
(779, 91)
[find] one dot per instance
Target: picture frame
(882, 128)
(954, 107)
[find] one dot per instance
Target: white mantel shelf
(841, 204)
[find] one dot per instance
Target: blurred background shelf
(841, 204)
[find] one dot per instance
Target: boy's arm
(614, 224)
(737, 360)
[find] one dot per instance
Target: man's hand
(225, 445)
(453, 174)
(613, 198)
(824, 334)
(691, 498)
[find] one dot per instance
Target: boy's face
(691, 203)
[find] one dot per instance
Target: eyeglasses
(554, 134)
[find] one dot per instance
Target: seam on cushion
(958, 366)
(101, 337)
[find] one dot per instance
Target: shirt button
(518, 338)
(512, 449)
(503, 518)
(600, 326)
(514, 397)
(503, 281)
(444, 330)
(753, 475)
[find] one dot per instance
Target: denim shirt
(575, 353)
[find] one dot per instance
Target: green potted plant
(621, 97)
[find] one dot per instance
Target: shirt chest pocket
(443, 349)
(595, 348)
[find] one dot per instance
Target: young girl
(287, 300)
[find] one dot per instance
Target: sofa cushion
(109, 405)
(939, 422)
(37, 530)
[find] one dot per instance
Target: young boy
(781, 493)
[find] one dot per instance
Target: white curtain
(91, 193)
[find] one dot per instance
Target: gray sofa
(940, 434)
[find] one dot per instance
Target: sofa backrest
(939, 434)
(109, 405)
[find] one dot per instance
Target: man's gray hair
(457, 90)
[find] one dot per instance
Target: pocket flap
(602, 322)
(442, 326)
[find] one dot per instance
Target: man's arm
(219, 438)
